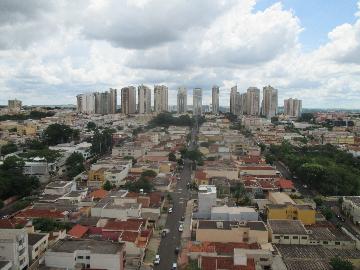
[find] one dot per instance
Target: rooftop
(34, 238)
(207, 189)
(231, 210)
(58, 184)
(284, 226)
(94, 246)
(227, 225)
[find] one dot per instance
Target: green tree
(192, 265)
(107, 186)
(49, 225)
(1, 204)
(326, 211)
(35, 145)
(172, 156)
(74, 164)
(90, 125)
(148, 173)
(338, 263)
(59, 133)
(319, 202)
(8, 149)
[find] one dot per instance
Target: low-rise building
(234, 213)
(283, 231)
(351, 208)
(304, 213)
(58, 188)
(231, 231)
(206, 199)
(38, 244)
(86, 254)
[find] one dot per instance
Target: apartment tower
(160, 98)
(128, 100)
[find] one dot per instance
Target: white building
(14, 247)
(233, 103)
(215, 99)
(144, 99)
(58, 188)
(81, 254)
(38, 244)
(117, 207)
(128, 150)
(206, 200)
(160, 98)
(182, 100)
(270, 101)
(351, 207)
(234, 213)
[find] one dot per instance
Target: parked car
(170, 210)
(181, 228)
(157, 259)
(182, 218)
(174, 266)
(177, 250)
(164, 232)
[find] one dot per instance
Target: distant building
(233, 97)
(182, 100)
(253, 101)
(14, 105)
(128, 100)
(160, 98)
(293, 107)
(97, 102)
(14, 247)
(197, 101)
(215, 99)
(144, 99)
(270, 102)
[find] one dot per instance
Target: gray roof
(34, 238)
(226, 225)
(285, 226)
(3, 263)
(94, 246)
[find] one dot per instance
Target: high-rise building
(97, 102)
(293, 107)
(197, 101)
(113, 101)
(233, 93)
(160, 98)
(14, 105)
(243, 103)
(269, 106)
(253, 101)
(215, 99)
(14, 247)
(182, 100)
(128, 100)
(144, 99)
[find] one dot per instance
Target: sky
(51, 50)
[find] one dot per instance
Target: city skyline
(303, 53)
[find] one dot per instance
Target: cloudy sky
(51, 50)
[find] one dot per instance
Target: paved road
(168, 244)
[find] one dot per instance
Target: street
(180, 196)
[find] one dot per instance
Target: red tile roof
(225, 263)
(99, 194)
(200, 175)
(78, 231)
(155, 199)
(41, 213)
(11, 223)
(129, 236)
(120, 225)
(285, 184)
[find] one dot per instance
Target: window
(264, 259)
(304, 237)
(286, 237)
(88, 266)
(88, 257)
(337, 243)
(295, 237)
(36, 249)
(277, 237)
(325, 242)
(80, 257)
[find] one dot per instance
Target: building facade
(161, 98)
(182, 100)
(97, 102)
(270, 102)
(293, 107)
(215, 99)
(197, 101)
(14, 247)
(253, 101)
(144, 99)
(14, 105)
(233, 94)
(128, 100)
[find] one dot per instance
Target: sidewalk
(186, 235)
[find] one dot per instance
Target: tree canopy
(58, 133)
(8, 149)
(74, 164)
(166, 119)
(338, 263)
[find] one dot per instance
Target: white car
(174, 266)
(157, 259)
(181, 228)
(170, 210)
